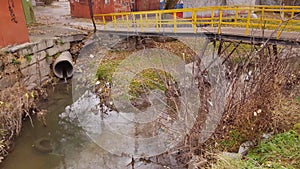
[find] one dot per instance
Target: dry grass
(15, 103)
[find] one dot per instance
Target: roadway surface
(256, 36)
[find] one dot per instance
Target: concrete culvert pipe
(63, 66)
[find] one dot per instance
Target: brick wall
(80, 8)
(143, 5)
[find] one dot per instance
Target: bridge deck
(227, 33)
(277, 24)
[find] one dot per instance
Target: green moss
(106, 69)
(149, 79)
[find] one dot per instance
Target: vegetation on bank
(278, 152)
(15, 103)
(265, 98)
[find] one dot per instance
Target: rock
(244, 147)
(266, 135)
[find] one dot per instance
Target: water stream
(72, 148)
(24, 155)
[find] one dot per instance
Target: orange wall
(147, 5)
(13, 29)
(80, 8)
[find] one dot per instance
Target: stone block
(41, 55)
(34, 58)
(58, 48)
(30, 48)
(30, 82)
(45, 44)
(30, 70)
(44, 68)
(35, 75)
(17, 48)
(38, 46)
(72, 38)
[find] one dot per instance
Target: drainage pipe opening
(63, 66)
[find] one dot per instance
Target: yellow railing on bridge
(280, 18)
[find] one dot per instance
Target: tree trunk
(170, 4)
(224, 2)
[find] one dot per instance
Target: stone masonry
(34, 60)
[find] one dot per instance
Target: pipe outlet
(63, 66)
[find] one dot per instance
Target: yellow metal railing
(262, 17)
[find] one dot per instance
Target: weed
(48, 57)
(61, 42)
(28, 58)
(233, 140)
(147, 80)
(56, 55)
(281, 151)
(16, 61)
(106, 70)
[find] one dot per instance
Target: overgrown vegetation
(15, 104)
(263, 96)
(143, 82)
(279, 152)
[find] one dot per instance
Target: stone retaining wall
(30, 63)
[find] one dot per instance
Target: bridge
(250, 24)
